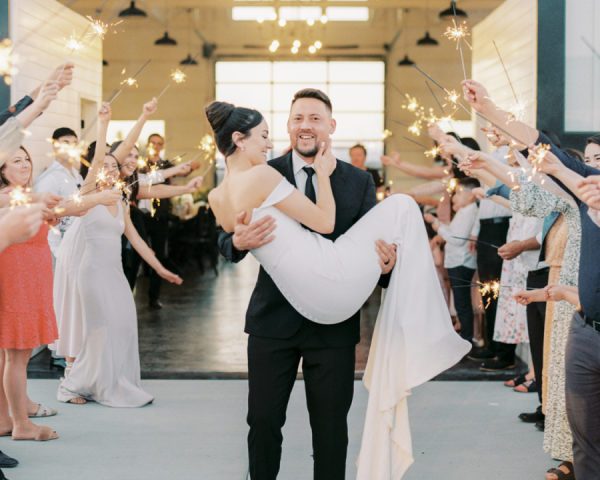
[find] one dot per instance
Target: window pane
(358, 127)
(348, 14)
(253, 13)
(279, 127)
(300, 13)
(243, 72)
(356, 72)
(356, 97)
(313, 72)
(283, 93)
(255, 96)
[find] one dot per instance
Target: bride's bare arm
(319, 217)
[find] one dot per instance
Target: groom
(279, 335)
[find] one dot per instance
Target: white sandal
(43, 412)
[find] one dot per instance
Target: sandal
(43, 412)
(43, 434)
(77, 401)
(530, 386)
(516, 381)
(560, 475)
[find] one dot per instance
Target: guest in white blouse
(460, 260)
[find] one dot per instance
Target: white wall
(513, 26)
(39, 29)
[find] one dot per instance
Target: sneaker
(496, 364)
(532, 417)
(6, 461)
(478, 354)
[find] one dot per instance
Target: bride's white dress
(107, 368)
(413, 341)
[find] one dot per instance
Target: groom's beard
(309, 153)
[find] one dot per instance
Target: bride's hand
(325, 161)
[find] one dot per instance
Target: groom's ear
(333, 126)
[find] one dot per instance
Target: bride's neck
(237, 163)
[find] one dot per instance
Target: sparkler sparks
(433, 152)
(99, 29)
(538, 155)
(490, 291)
(411, 103)
(452, 97)
(451, 186)
(8, 61)
(73, 43)
(19, 197)
(458, 33)
(415, 128)
(178, 76)
(386, 134)
(73, 152)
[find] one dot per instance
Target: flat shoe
(43, 434)
(43, 412)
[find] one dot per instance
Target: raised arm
(125, 147)
(89, 184)
(168, 191)
(421, 171)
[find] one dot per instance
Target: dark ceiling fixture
(427, 41)
(104, 63)
(189, 60)
(166, 40)
(132, 11)
(406, 62)
(452, 11)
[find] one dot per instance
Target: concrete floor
(196, 430)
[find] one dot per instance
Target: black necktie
(309, 189)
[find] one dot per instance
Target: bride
(329, 281)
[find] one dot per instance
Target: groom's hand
(255, 235)
(387, 256)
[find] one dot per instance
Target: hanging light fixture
(406, 62)
(132, 11)
(189, 60)
(165, 40)
(427, 40)
(104, 63)
(452, 11)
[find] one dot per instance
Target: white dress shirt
(300, 175)
(457, 252)
(62, 181)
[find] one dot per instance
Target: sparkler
(480, 115)
(8, 61)
(459, 33)
(19, 197)
(73, 152)
(433, 152)
(415, 128)
(386, 134)
(491, 290)
(518, 109)
(451, 185)
(411, 103)
(177, 76)
(129, 81)
(538, 154)
(98, 28)
(73, 43)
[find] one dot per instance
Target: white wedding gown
(327, 282)
(107, 368)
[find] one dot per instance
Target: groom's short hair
(313, 93)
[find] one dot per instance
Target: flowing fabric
(107, 368)
(67, 301)
(413, 341)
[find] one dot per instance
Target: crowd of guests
(514, 231)
(66, 239)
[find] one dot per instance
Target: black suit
(280, 337)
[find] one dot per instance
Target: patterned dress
(511, 317)
(532, 200)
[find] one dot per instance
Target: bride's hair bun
(218, 113)
(225, 119)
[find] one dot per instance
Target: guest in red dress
(26, 313)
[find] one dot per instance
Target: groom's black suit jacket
(269, 313)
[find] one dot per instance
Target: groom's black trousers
(329, 385)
